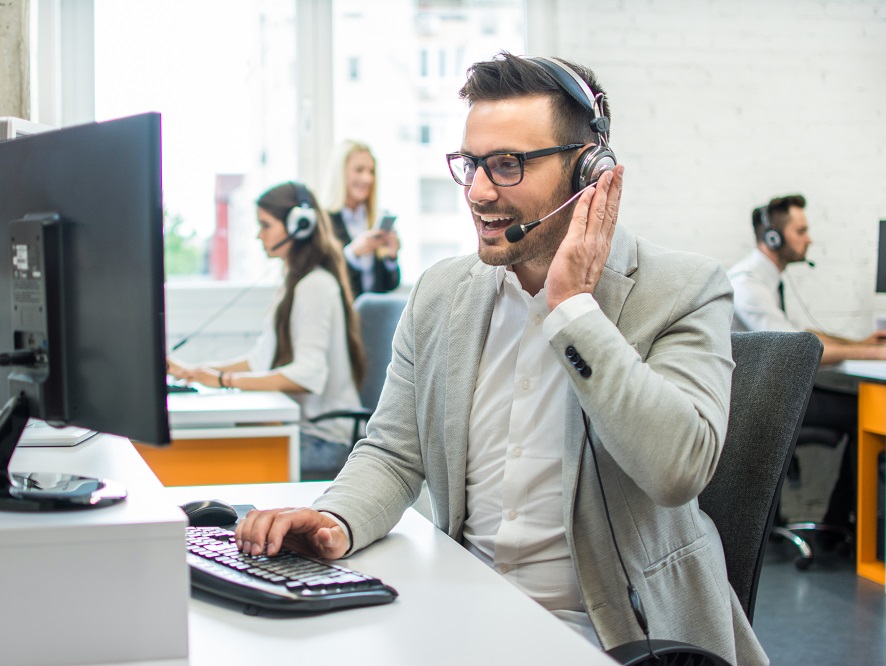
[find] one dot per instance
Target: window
(354, 69)
(438, 195)
(238, 102)
(221, 74)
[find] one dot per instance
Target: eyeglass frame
(522, 158)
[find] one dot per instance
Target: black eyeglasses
(503, 169)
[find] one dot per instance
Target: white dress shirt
(321, 362)
(514, 484)
(756, 281)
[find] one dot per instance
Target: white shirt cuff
(567, 312)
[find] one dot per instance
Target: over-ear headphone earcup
(592, 164)
(301, 222)
(773, 239)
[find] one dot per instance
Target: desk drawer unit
(871, 444)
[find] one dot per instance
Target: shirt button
(512, 515)
(525, 384)
(504, 568)
(518, 451)
(539, 319)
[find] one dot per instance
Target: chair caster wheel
(803, 563)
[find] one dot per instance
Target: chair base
(807, 555)
(667, 653)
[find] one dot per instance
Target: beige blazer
(657, 397)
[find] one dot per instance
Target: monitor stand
(40, 491)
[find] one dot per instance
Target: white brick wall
(719, 105)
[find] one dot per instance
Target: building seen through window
(223, 74)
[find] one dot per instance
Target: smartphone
(387, 222)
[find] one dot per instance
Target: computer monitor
(16, 128)
(881, 259)
(81, 296)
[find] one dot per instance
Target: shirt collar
(351, 216)
(767, 267)
(505, 273)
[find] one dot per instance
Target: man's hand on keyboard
(303, 530)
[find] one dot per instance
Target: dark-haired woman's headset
(301, 221)
(596, 160)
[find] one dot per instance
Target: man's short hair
(507, 76)
(779, 212)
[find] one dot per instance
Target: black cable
(633, 595)
(805, 309)
(219, 312)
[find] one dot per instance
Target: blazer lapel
(615, 284)
(468, 323)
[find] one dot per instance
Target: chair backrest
(379, 316)
(773, 378)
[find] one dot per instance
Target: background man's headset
(592, 164)
(595, 160)
(772, 237)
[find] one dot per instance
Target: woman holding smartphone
(310, 345)
(370, 245)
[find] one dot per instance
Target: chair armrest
(358, 414)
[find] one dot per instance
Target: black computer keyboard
(180, 388)
(286, 582)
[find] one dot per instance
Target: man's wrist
(345, 528)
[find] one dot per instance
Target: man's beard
(539, 244)
(790, 256)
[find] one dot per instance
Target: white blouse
(321, 363)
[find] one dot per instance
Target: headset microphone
(303, 224)
(518, 231)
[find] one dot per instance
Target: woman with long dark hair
(310, 346)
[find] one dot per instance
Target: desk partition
(868, 380)
(223, 436)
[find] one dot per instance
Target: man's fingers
(580, 220)
(252, 531)
(613, 198)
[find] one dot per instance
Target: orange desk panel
(871, 441)
(199, 462)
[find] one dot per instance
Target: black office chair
(773, 378)
(794, 532)
(379, 316)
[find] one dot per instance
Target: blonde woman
(371, 252)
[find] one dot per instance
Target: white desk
(229, 436)
(226, 408)
(90, 586)
(452, 608)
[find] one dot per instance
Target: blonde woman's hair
(336, 190)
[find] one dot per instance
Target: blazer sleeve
(658, 400)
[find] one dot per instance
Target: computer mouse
(210, 513)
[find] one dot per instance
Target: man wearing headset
(499, 354)
(782, 234)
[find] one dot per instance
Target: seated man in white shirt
(782, 234)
